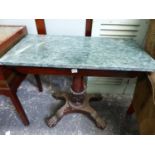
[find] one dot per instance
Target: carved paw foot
(52, 121)
(100, 123)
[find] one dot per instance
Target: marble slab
(79, 52)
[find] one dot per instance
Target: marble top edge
(79, 67)
(57, 51)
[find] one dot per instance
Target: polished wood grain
(40, 24)
(150, 39)
(80, 72)
(88, 29)
(150, 48)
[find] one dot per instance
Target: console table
(78, 57)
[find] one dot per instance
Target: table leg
(76, 101)
(130, 110)
(19, 108)
(39, 84)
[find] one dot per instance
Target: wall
(53, 26)
(65, 27)
(30, 24)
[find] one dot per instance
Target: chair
(10, 79)
(9, 82)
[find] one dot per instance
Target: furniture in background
(10, 79)
(149, 48)
(143, 103)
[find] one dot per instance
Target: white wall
(30, 24)
(65, 27)
(141, 29)
(53, 26)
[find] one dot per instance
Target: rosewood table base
(76, 101)
(70, 107)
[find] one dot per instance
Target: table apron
(80, 72)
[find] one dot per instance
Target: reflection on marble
(79, 52)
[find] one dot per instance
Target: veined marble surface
(79, 52)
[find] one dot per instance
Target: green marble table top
(79, 53)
